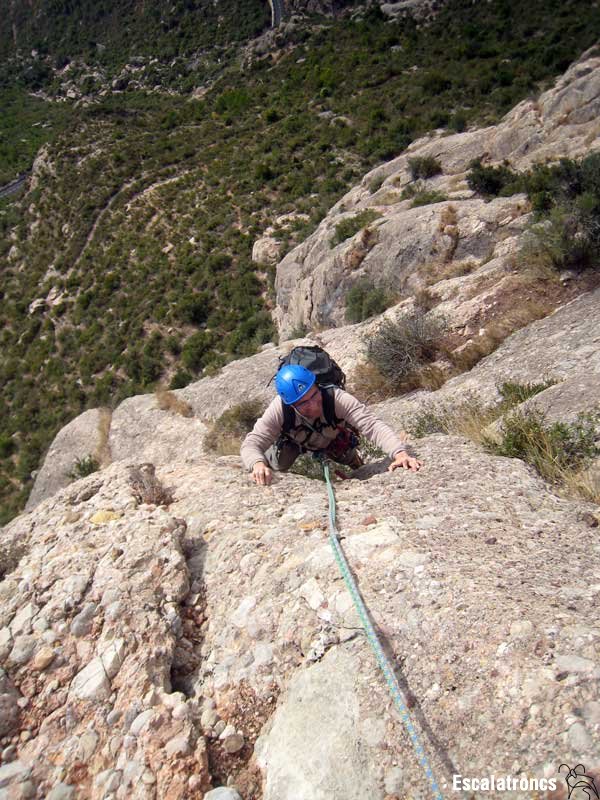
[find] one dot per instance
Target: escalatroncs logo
(580, 786)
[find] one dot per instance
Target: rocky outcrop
(563, 347)
(145, 649)
(410, 248)
(84, 437)
(170, 630)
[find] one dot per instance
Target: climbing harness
(382, 659)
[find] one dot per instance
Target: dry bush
(103, 450)
(584, 483)
(368, 384)
(228, 431)
(425, 300)
(495, 333)
(167, 401)
(448, 217)
(560, 452)
(147, 488)
(469, 418)
(401, 347)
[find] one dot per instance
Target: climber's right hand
(262, 474)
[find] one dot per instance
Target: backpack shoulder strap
(329, 406)
(289, 418)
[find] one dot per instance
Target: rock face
(403, 243)
(209, 647)
(84, 436)
(144, 642)
(563, 347)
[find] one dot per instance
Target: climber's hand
(402, 459)
(262, 474)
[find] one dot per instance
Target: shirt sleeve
(265, 432)
(348, 408)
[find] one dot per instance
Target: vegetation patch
(399, 349)
(365, 300)
(83, 467)
(558, 451)
(421, 195)
(424, 167)
(494, 181)
(352, 225)
(167, 401)
(229, 430)
(567, 198)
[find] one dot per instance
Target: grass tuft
(228, 431)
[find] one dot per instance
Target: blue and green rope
(382, 659)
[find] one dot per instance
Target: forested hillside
(170, 142)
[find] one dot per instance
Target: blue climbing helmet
(293, 381)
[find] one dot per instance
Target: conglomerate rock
(402, 243)
(563, 348)
(479, 578)
(156, 652)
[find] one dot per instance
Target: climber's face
(311, 405)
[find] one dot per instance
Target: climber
(317, 420)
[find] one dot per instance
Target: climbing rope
(382, 659)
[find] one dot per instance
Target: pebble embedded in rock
(178, 746)
(113, 717)
(209, 718)
(9, 714)
(26, 790)
(15, 770)
(233, 743)
(23, 649)
(9, 753)
(92, 682)
(62, 791)
(82, 623)
(228, 730)
(42, 659)
(141, 721)
(88, 742)
(149, 778)
(180, 711)
(579, 738)
(222, 793)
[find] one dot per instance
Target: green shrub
(424, 167)
(196, 351)
(376, 184)
(194, 308)
(428, 198)
(420, 195)
(83, 467)
(7, 446)
(494, 181)
(513, 394)
(553, 450)
(180, 379)
(399, 348)
(352, 225)
(567, 197)
(228, 431)
(365, 300)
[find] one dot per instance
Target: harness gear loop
(382, 659)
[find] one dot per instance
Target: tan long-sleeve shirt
(347, 408)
